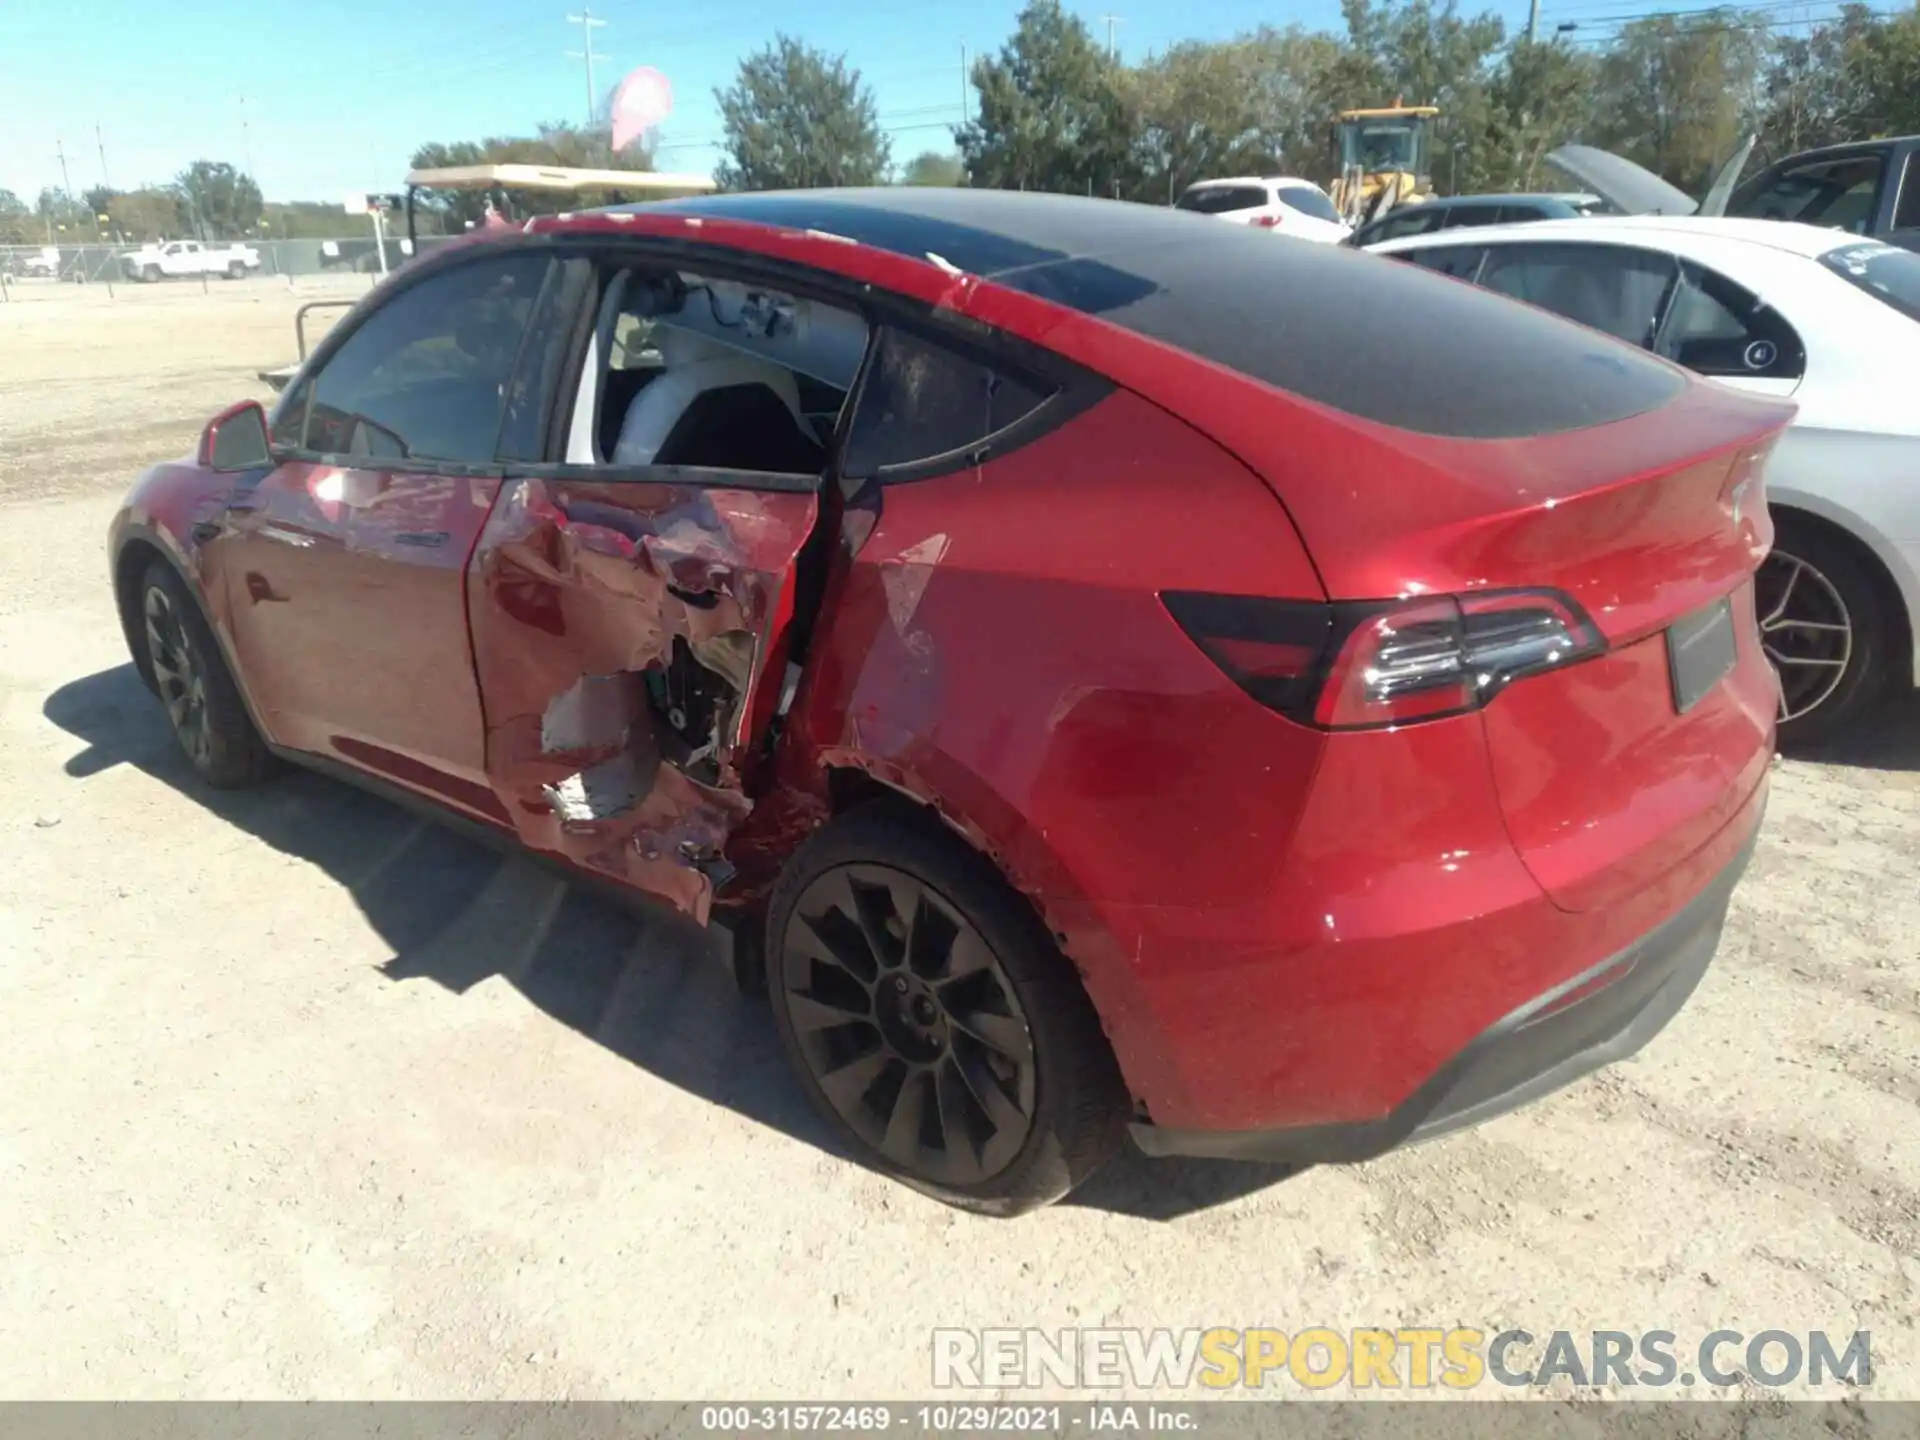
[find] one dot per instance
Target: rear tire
(969, 1063)
(1824, 626)
(151, 274)
(236, 271)
(204, 707)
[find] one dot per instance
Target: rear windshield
(1890, 275)
(1386, 342)
(1308, 202)
(1218, 199)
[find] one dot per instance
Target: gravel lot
(305, 1097)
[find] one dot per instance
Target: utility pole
(66, 187)
(1533, 22)
(101, 144)
(246, 140)
(966, 94)
(588, 23)
(1113, 44)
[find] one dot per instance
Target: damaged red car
(1120, 673)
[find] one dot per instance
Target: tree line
(1053, 110)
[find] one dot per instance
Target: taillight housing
(1365, 665)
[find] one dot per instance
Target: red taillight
(1358, 666)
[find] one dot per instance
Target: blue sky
(335, 95)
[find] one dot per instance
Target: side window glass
(1460, 216)
(289, 420)
(922, 400)
(424, 376)
(1718, 328)
(1906, 214)
(1838, 194)
(1460, 261)
(1613, 288)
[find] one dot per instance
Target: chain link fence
(107, 264)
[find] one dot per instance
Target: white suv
(1277, 202)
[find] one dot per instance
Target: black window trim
(1069, 397)
(1909, 180)
(331, 343)
(1076, 389)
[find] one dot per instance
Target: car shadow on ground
(1885, 738)
(651, 987)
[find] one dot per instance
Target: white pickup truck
(190, 257)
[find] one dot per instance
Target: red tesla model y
(1127, 673)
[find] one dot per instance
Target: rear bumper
(1603, 1014)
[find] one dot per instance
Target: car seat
(698, 370)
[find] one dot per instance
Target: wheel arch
(138, 548)
(1030, 867)
(1893, 582)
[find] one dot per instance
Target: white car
(190, 257)
(1828, 318)
(1274, 202)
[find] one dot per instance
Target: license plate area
(1700, 651)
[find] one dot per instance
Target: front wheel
(151, 274)
(204, 707)
(236, 271)
(1824, 627)
(933, 1021)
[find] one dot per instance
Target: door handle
(421, 537)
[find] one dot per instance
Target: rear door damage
(623, 638)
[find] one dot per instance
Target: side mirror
(236, 439)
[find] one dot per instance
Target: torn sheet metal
(620, 634)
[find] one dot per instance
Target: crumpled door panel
(621, 634)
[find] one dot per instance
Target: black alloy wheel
(179, 675)
(909, 1025)
(1824, 628)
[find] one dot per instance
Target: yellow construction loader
(1384, 159)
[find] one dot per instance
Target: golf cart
(498, 183)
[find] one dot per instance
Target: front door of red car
(344, 568)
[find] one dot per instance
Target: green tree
(930, 167)
(796, 117)
(143, 215)
(1676, 93)
(219, 200)
(1539, 98)
(1054, 114)
(1856, 75)
(16, 220)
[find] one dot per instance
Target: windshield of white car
(1889, 274)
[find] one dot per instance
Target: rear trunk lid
(1611, 770)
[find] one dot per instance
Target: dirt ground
(305, 1097)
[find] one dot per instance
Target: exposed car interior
(688, 370)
